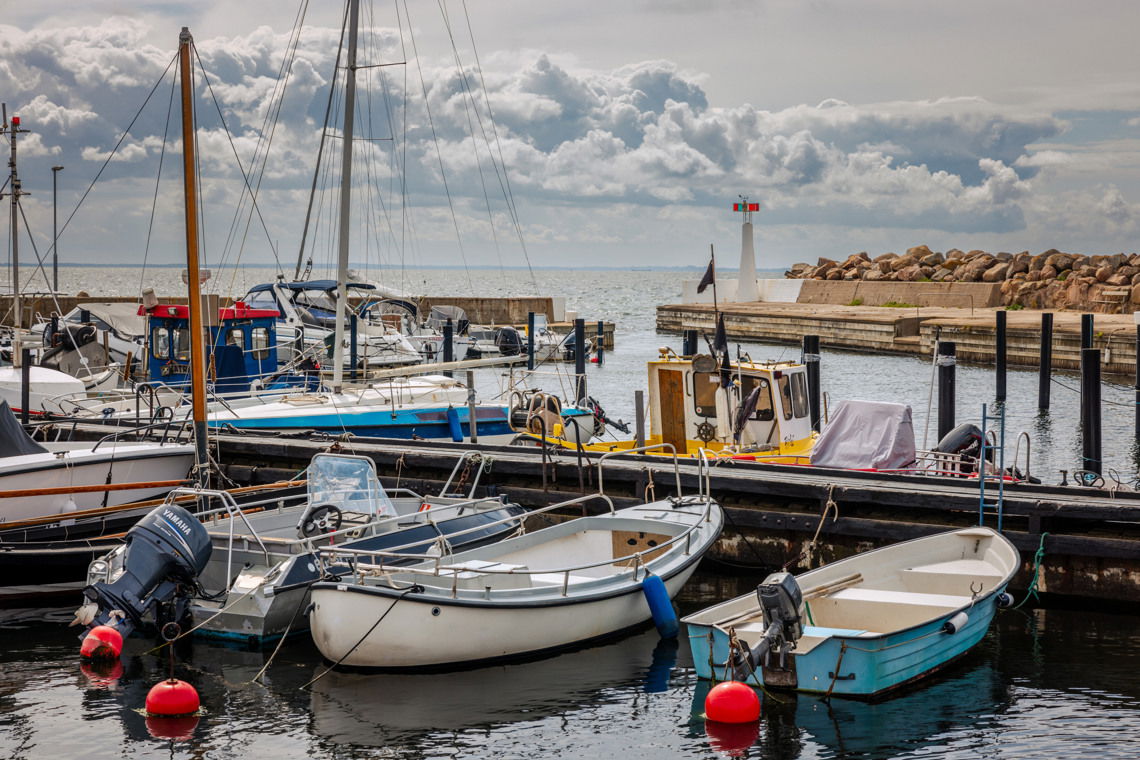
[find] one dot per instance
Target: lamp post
(55, 170)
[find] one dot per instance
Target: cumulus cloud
(556, 133)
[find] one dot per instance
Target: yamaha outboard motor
(509, 341)
(161, 559)
(780, 600)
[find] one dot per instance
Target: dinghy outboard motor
(780, 600)
(964, 440)
(509, 342)
(161, 559)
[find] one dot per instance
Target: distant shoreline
(491, 267)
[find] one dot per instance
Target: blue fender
(661, 606)
(453, 424)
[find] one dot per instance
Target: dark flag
(709, 278)
(745, 412)
(720, 348)
(720, 339)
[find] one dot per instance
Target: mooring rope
(329, 669)
(1038, 556)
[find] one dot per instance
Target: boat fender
(1004, 600)
(453, 424)
(956, 623)
(661, 606)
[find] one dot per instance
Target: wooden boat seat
(861, 594)
(881, 609)
(953, 577)
(473, 574)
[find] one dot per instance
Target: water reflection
(378, 709)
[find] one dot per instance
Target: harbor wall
(913, 330)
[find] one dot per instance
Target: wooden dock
(913, 330)
(1090, 537)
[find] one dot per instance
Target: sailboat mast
(14, 185)
(345, 196)
(197, 353)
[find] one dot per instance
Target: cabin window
(785, 385)
(182, 344)
(235, 336)
(262, 299)
(764, 411)
(260, 342)
(799, 395)
(160, 343)
(704, 393)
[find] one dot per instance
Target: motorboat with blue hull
(256, 582)
(555, 588)
(864, 625)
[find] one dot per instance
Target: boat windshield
(348, 483)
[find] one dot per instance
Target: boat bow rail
(372, 563)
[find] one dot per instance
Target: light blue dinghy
(863, 625)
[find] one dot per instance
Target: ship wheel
(706, 431)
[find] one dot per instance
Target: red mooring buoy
(171, 698)
(101, 643)
(732, 702)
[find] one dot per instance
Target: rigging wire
(115, 149)
(237, 158)
(512, 208)
(320, 153)
(468, 105)
(438, 153)
(157, 183)
(264, 143)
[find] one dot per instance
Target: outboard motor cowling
(163, 554)
(780, 600)
(509, 341)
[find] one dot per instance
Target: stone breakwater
(1049, 280)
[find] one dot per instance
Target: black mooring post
(1046, 366)
(530, 340)
(689, 344)
(1137, 384)
(580, 359)
(1090, 409)
(448, 343)
(1086, 343)
(947, 359)
(999, 354)
(600, 349)
(25, 384)
(811, 362)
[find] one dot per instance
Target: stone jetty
(1049, 280)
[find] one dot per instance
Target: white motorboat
(557, 587)
(262, 562)
(57, 478)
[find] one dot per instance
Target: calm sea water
(1043, 684)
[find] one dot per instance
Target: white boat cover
(865, 435)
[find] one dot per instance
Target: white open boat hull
(111, 463)
(516, 616)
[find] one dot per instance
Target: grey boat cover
(14, 442)
(865, 435)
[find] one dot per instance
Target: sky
(508, 133)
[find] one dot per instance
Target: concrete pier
(913, 330)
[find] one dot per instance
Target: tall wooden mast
(197, 352)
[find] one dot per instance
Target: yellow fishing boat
(744, 410)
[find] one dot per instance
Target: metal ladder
(993, 507)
